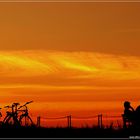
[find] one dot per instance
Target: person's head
(127, 104)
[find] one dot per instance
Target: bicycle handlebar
(8, 106)
(14, 104)
(28, 103)
(25, 104)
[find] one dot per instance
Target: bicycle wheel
(11, 121)
(25, 121)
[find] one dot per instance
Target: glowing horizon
(76, 58)
(36, 75)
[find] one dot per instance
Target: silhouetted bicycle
(0, 113)
(0, 117)
(12, 116)
(25, 119)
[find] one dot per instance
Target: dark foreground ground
(68, 133)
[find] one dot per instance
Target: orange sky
(70, 58)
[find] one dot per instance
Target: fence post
(38, 121)
(100, 121)
(69, 121)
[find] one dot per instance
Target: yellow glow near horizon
(88, 64)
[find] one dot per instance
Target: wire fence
(78, 121)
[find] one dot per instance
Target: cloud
(54, 79)
(68, 65)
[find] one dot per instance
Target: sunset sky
(70, 58)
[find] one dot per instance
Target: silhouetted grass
(59, 132)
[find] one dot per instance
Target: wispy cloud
(66, 65)
(43, 72)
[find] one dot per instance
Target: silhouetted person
(128, 109)
(129, 113)
(137, 116)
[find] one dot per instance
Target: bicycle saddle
(16, 104)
